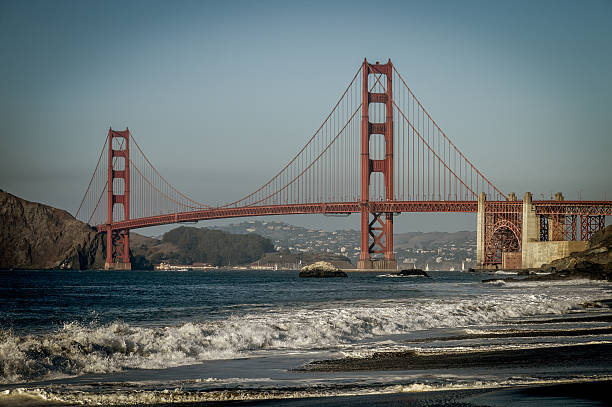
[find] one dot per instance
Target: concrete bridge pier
(117, 266)
(535, 250)
(531, 226)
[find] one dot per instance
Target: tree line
(201, 245)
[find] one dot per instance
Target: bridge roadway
(542, 208)
(293, 209)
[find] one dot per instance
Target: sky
(220, 95)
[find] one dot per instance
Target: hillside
(431, 240)
(284, 235)
(37, 236)
(439, 250)
(188, 245)
(151, 249)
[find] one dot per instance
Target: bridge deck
(542, 208)
(294, 209)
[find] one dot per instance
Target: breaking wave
(77, 349)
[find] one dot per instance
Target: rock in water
(36, 236)
(413, 273)
(321, 269)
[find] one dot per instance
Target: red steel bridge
(378, 153)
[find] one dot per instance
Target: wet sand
(584, 318)
(430, 399)
(591, 355)
(540, 333)
(595, 393)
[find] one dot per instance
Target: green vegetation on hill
(195, 245)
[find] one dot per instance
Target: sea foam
(77, 349)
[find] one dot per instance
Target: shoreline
(548, 393)
(597, 354)
(560, 394)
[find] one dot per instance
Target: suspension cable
(92, 177)
(303, 148)
(445, 136)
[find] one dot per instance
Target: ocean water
(109, 337)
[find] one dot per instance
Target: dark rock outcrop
(413, 273)
(598, 253)
(321, 269)
(582, 271)
(37, 236)
(594, 263)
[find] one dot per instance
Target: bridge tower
(118, 241)
(377, 225)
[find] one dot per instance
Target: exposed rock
(598, 252)
(413, 273)
(321, 269)
(594, 263)
(37, 236)
(603, 238)
(592, 304)
(595, 273)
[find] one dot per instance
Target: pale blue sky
(524, 88)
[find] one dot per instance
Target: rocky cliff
(595, 262)
(36, 236)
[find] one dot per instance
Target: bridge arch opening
(504, 238)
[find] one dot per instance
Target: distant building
(181, 267)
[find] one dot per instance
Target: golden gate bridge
(377, 153)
